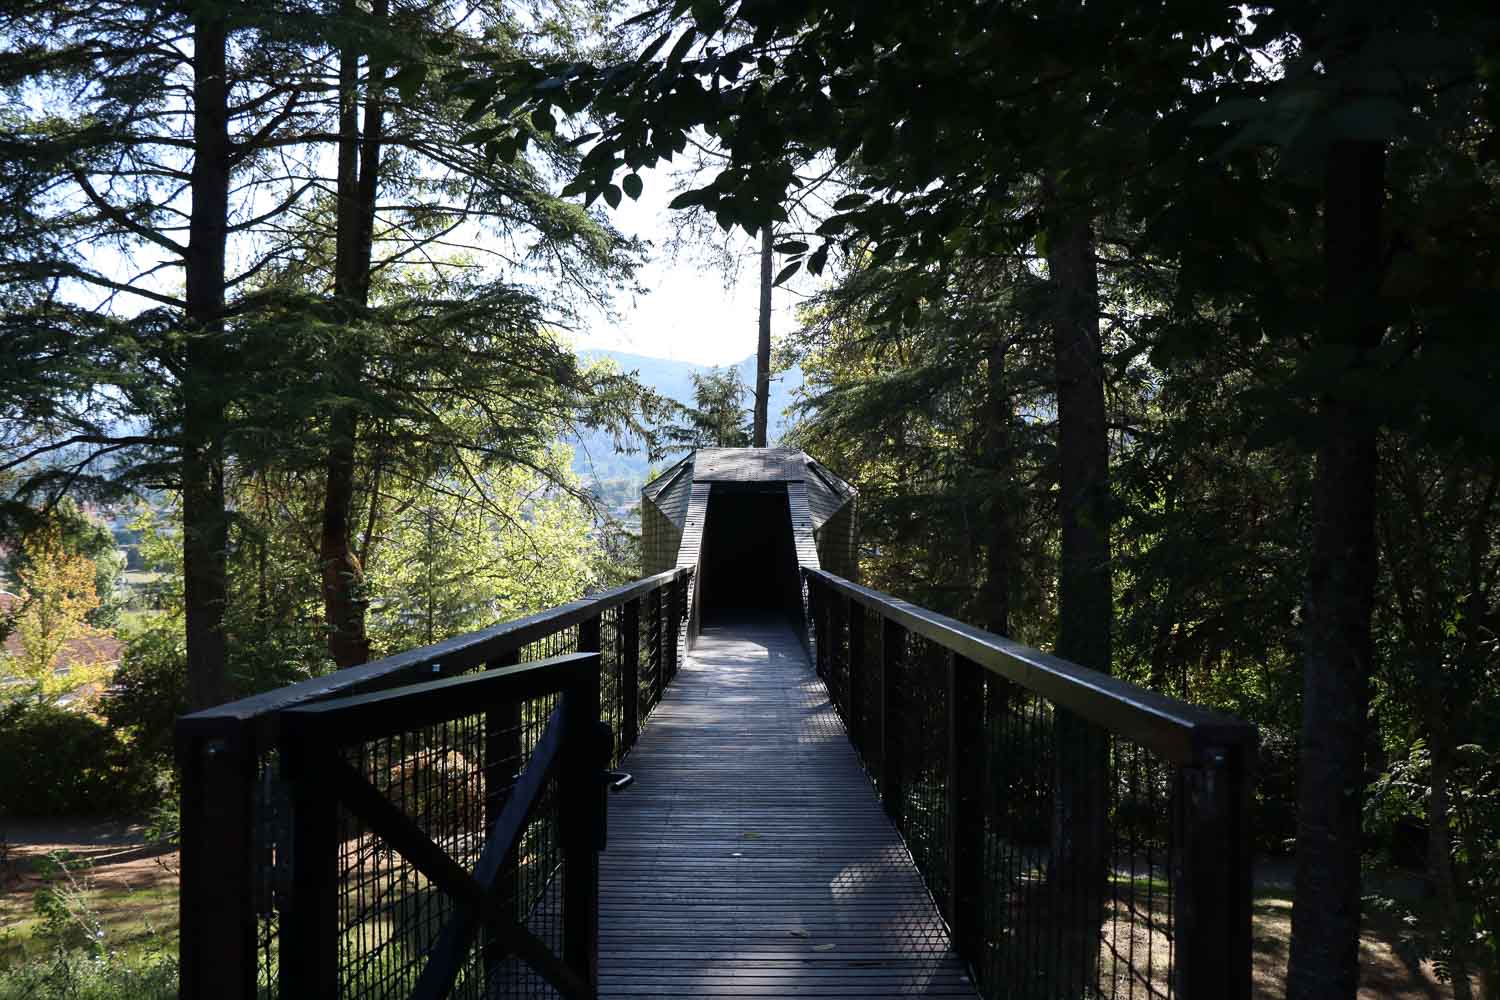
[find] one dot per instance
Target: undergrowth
(76, 959)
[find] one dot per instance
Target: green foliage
(905, 411)
(453, 560)
(68, 918)
(617, 557)
(149, 691)
(78, 961)
(111, 380)
(718, 417)
(1475, 929)
(76, 975)
(66, 763)
(81, 535)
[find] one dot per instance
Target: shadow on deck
(752, 857)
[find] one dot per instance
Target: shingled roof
(669, 492)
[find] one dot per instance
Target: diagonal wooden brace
(473, 892)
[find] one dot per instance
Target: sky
(691, 310)
(688, 314)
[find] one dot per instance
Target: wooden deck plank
(751, 857)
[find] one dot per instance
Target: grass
(138, 922)
(75, 975)
(136, 959)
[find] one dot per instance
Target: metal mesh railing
(1081, 837)
(652, 656)
(916, 776)
(442, 777)
(236, 813)
(271, 815)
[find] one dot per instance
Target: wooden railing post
(965, 806)
(502, 759)
(630, 676)
(857, 668)
(841, 646)
(588, 635)
(310, 924)
(581, 789)
(892, 661)
(217, 945)
(825, 635)
(1213, 905)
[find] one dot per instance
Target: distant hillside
(621, 475)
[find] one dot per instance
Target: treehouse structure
(748, 520)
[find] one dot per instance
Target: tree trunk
(999, 458)
(344, 604)
(1084, 599)
(763, 348)
(1337, 651)
(205, 521)
(343, 575)
(1085, 603)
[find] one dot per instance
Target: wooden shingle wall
(660, 540)
(838, 548)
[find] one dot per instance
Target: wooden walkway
(751, 857)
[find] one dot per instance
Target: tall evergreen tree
(718, 418)
(160, 108)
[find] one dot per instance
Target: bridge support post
(216, 953)
(630, 674)
(966, 806)
(1213, 905)
(838, 664)
(892, 658)
(310, 924)
(581, 819)
(588, 635)
(657, 637)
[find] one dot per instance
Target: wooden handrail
(442, 659)
(1176, 730)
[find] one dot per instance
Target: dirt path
(132, 883)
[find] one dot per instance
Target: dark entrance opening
(748, 559)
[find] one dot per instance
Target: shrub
(149, 691)
(64, 763)
(78, 962)
(78, 975)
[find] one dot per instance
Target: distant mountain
(621, 475)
